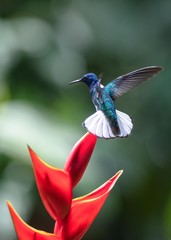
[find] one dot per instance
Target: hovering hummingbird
(107, 122)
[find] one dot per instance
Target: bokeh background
(43, 46)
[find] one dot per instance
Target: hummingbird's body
(103, 102)
(107, 122)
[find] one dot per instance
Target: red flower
(72, 217)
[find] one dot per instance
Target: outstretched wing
(128, 81)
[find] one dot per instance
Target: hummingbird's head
(88, 79)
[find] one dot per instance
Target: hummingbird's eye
(84, 79)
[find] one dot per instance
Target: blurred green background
(43, 46)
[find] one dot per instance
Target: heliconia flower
(25, 232)
(72, 217)
(79, 157)
(84, 210)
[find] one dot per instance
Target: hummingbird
(107, 122)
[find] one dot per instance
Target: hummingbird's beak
(75, 81)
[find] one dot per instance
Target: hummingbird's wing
(128, 81)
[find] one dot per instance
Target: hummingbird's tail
(125, 124)
(98, 125)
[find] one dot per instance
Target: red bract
(72, 217)
(25, 232)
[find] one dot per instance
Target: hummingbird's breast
(102, 101)
(108, 105)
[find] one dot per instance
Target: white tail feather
(98, 124)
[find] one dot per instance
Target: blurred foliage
(43, 46)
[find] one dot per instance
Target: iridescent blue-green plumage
(108, 122)
(103, 101)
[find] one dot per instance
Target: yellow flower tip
(8, 203)
(24, 231)
(120, 173)
(117, 176)
(10, 207)
(12, 210)
(15, 217)
(36, 159)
